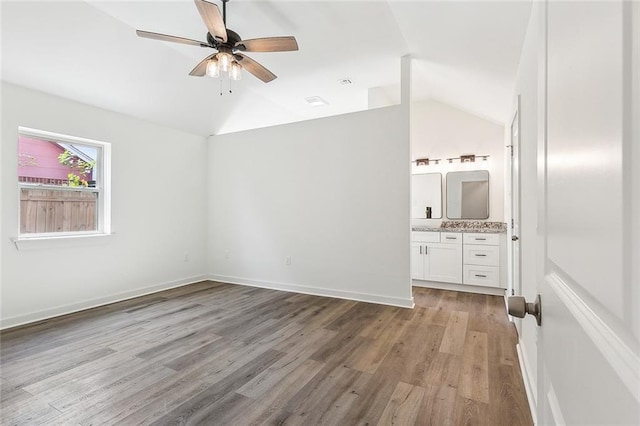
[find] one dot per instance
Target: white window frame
(102, 188)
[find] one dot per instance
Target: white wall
(442, 131)
(332, 193)
(158, 203)
(379, 97)
(527, 88)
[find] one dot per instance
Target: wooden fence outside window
(49, 210)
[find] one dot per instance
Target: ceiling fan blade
(174, 39)
(200, 70)
(255, 68)
(269, 44)
(212, 19)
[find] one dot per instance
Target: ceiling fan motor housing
(232, 38)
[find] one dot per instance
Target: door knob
(514, 238)
(519, 307)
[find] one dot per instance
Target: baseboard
(19, 320)
(529, 381)
(460, 287)
(315, 291)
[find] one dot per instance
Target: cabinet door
(443, 262)
(417, 261)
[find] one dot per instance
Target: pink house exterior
(38, 162)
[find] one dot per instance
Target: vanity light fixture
(466, 158)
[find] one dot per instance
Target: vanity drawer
(481, 255)
(480, 238)
(425, 237)
(451, 237)
(488, 276)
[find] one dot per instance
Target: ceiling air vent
(345, 81)
(316, 101)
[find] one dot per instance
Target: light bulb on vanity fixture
(426, 161)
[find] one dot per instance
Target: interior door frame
(515, 118)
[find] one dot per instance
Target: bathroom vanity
(466, 253)
(460, 253)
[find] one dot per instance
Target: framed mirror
(468, 195)
(426, 196)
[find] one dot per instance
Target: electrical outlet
(227, 254)
(287, 260)
(186, 257)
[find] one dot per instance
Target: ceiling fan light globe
(212, 69)
(236, 71)
(224, 61)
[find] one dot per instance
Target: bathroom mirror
(426, 196)
(468, 195)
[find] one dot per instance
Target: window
(64, 185)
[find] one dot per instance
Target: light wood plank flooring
(218, 354)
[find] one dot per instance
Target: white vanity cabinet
(436, 256)
(477, 259)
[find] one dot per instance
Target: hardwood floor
(217, 354)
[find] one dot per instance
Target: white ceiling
(466, 54)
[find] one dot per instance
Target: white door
(589, 342)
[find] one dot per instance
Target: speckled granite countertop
(465, 226)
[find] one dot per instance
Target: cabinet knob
(519, 307)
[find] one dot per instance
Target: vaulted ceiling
(465, 54)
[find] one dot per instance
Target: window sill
(59, 241)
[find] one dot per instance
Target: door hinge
(513, 292)
(512, 223)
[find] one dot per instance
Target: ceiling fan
(229, 46)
